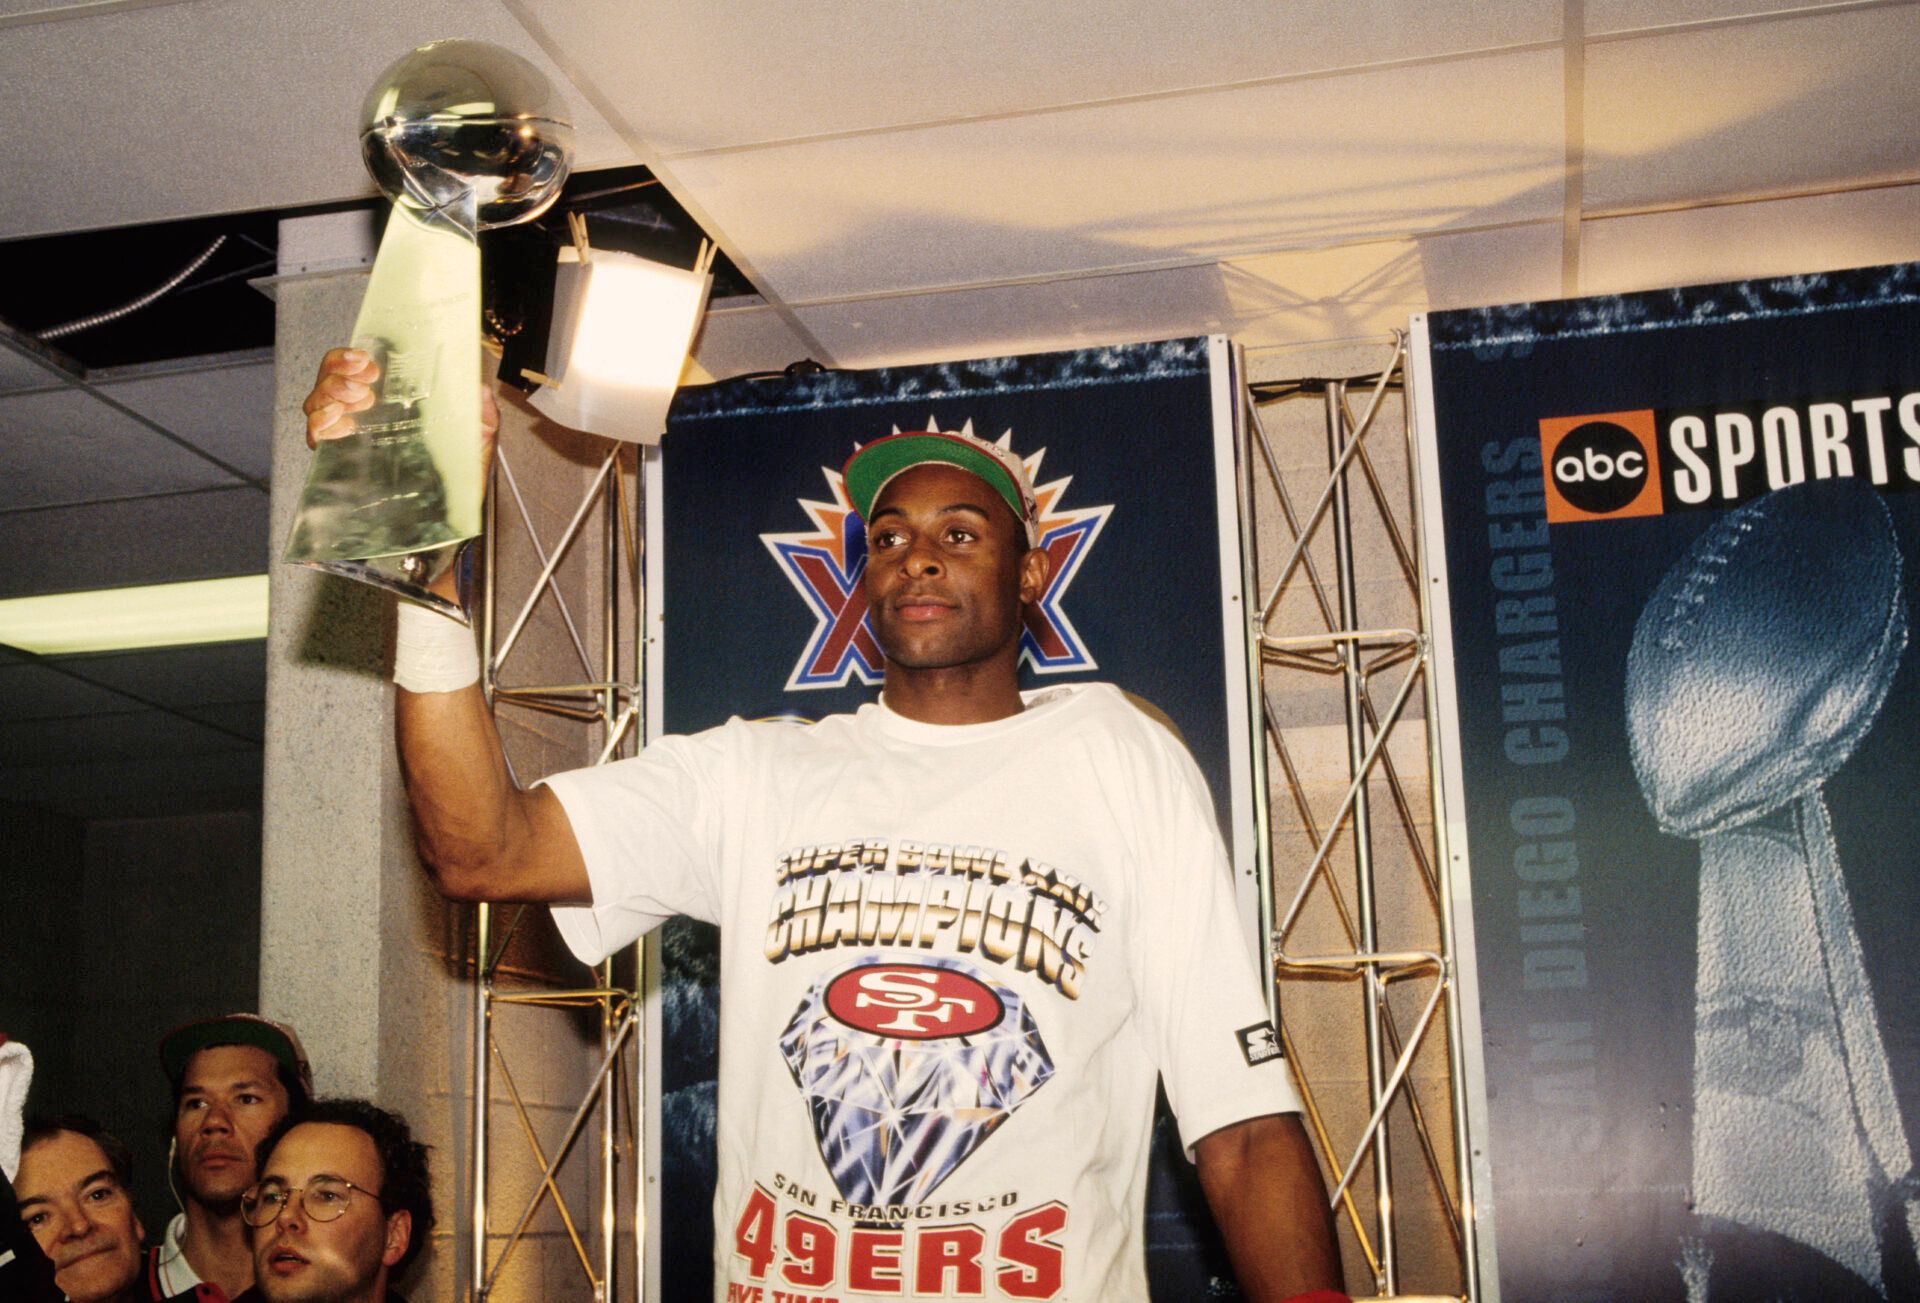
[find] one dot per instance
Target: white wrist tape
(432, 653)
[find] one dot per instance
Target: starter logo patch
(1260, 1044)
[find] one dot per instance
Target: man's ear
(399, 1235)
(1035, 567)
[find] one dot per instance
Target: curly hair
(404, 1179)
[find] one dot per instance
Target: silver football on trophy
(454, 116)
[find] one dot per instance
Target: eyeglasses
(323, 1199)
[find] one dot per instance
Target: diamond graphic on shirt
(896, 1117)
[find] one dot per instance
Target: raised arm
(479, 836)
(1264, 1187)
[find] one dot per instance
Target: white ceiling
(905, 180)
(854, 150)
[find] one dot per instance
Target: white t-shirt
(954, 959)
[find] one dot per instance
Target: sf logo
(910, 997)
(912, 1002)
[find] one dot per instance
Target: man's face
(947, 570)
(299, 1260)
(230, 1098)
(81, 1216)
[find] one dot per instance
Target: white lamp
(621, 330)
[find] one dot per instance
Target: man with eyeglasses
(343, 1205)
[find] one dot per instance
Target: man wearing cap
(964, 930)
(233, 1079)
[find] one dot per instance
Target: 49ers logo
(913, 1003)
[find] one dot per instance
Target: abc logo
(1600, 466)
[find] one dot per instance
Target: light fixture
(622, 326)
(124, 619)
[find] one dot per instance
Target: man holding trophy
(913, 1049)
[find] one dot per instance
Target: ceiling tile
(1352, 291)
(32, 691)
(1690, 117)
(735, 341)
(768, 72)
(181, 678)
(1784, 237)
(106, 738)
(247, 719)
(1604, 16)
(218, 106)
(140, 788)
(1361, 291)
(60, 446)
(17, 371)
(900, 330)
(1127, 185)
(206, 535)
(225, 410)
(42, 11)
(1473, 269)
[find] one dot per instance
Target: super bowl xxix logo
(825, 566)
(1612, 465)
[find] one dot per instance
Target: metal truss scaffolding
(1328, 860)
(606, 701)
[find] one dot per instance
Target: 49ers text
(1021, 1258)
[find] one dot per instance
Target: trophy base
(406, 575)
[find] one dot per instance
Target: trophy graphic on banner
(1757, 667)
(463, 136)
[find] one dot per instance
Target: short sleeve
(1204, 1014)
(646, 829)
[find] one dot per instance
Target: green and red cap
(277, 1039)
(873, 466)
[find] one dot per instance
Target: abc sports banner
(1678, 539)
(759, 556)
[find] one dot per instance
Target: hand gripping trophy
(463, 136)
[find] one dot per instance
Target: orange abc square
(1604, 466)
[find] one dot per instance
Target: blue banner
(761, 557)
(1681, 553)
